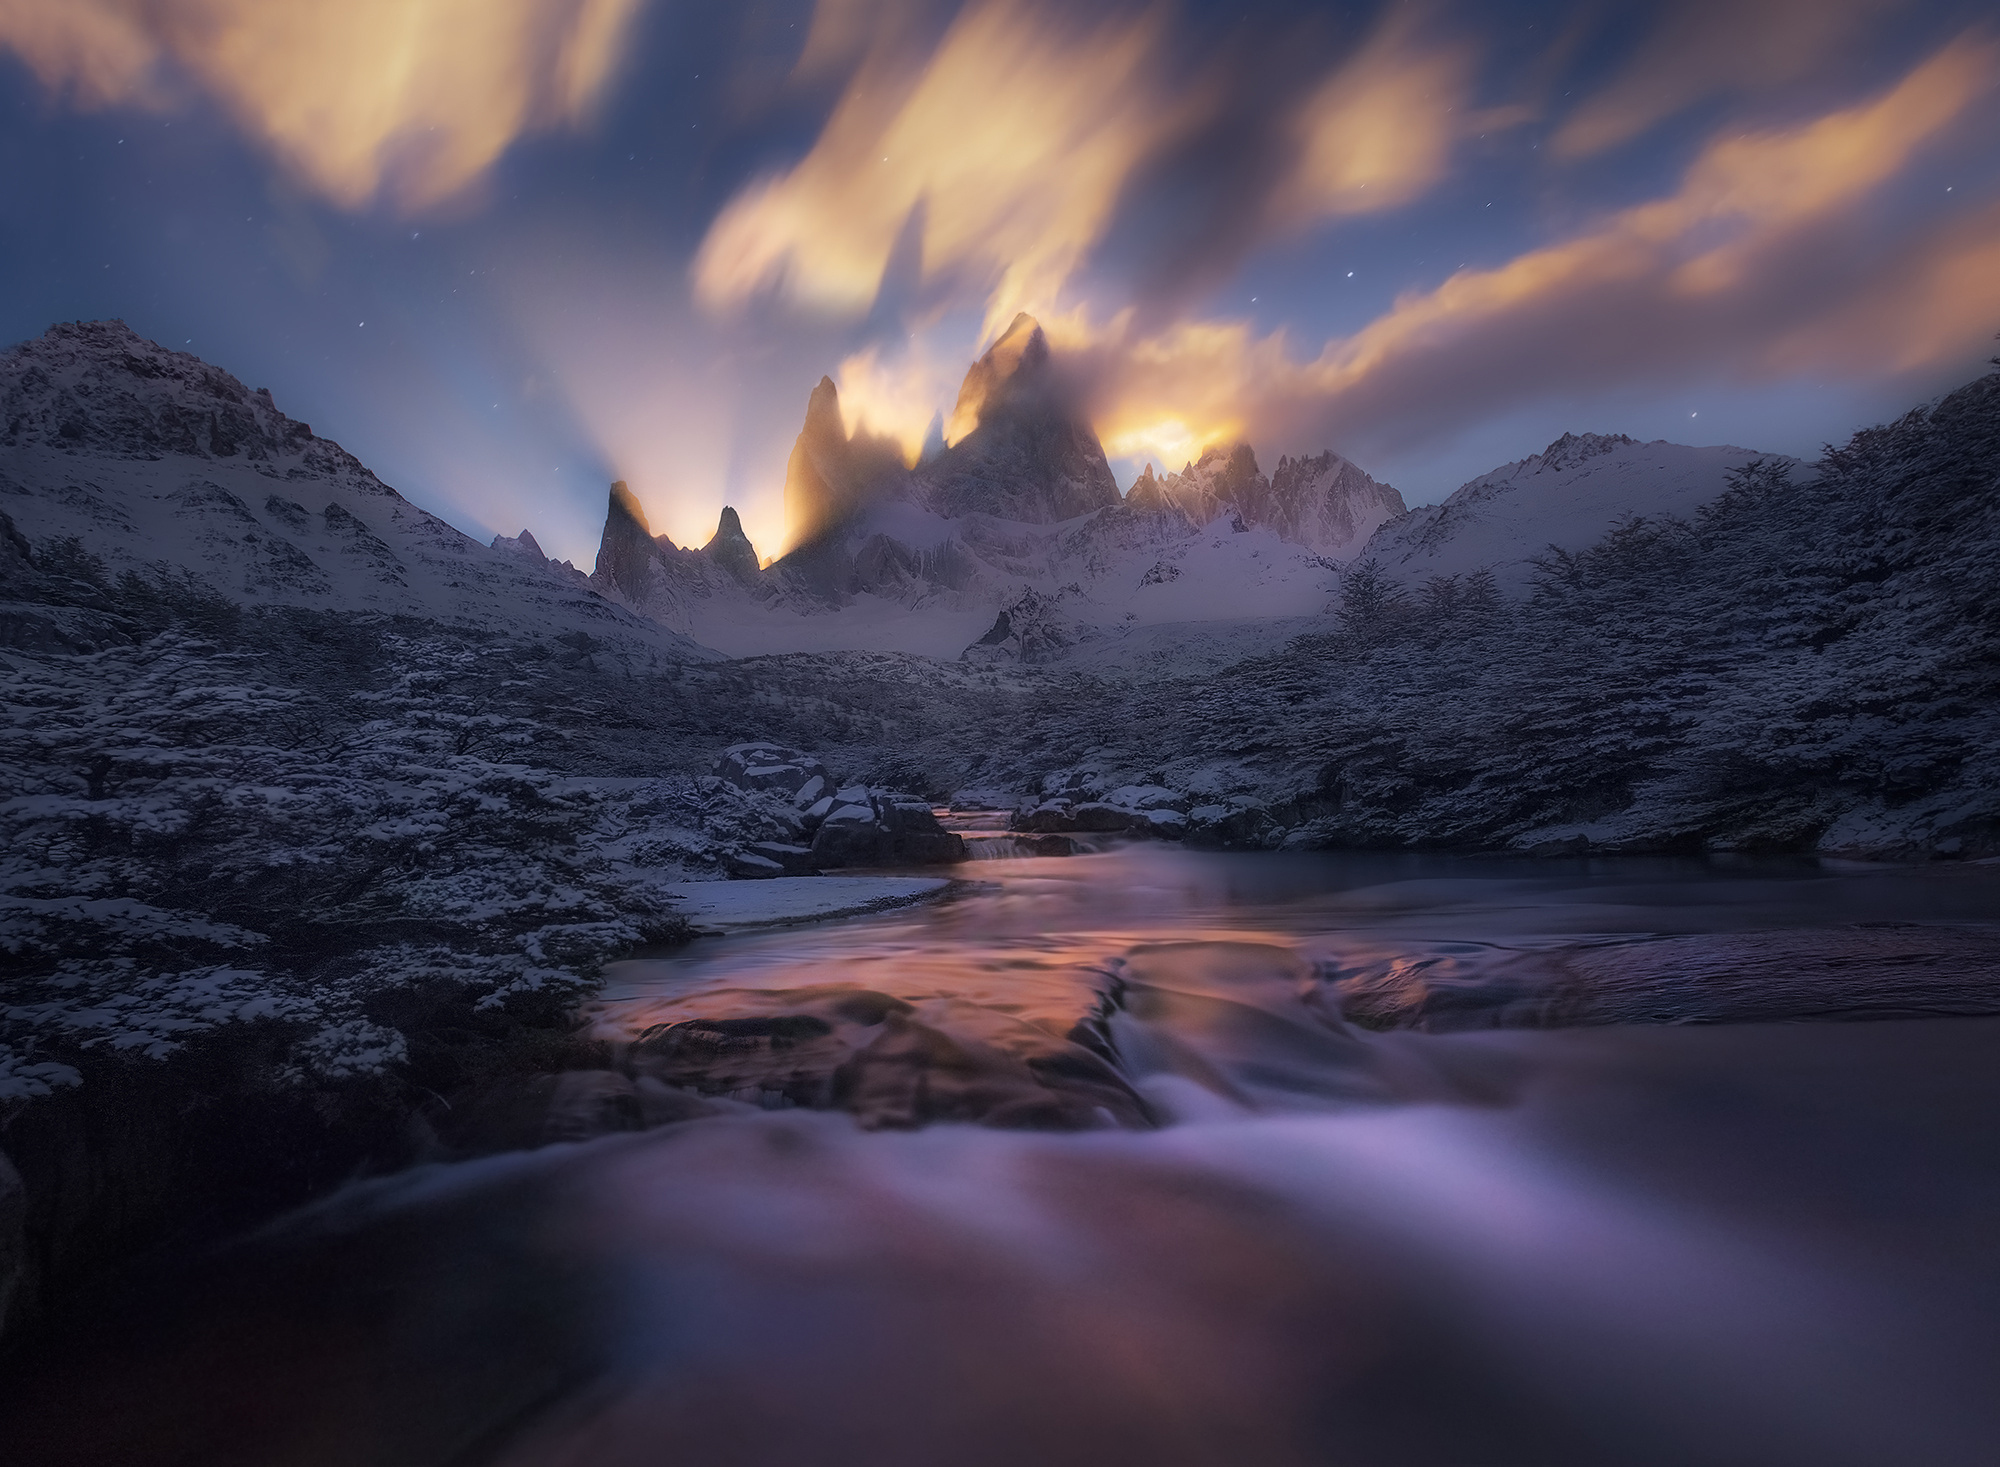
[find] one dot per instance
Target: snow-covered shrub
(190, 838)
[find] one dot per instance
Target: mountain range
(1020, 514)
(151, 458)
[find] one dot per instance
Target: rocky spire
(626, 551)
(1020, 356)
(1145, 493)
(831, 477)
(811, 502)
(731, 549)
(1021, 448)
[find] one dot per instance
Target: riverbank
(128, 1150)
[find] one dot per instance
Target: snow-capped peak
(157, 462)
(1566, 496)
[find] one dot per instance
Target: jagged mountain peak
(1020, 449)
(1323, 502)
(1017, 360)
(731, 549)
(823, 410)
(1574, 448)
(99, 387)
(524, 545)
(830, 476)
(624, 505)
(1231, 466)
(158, 463)
(1226, 476)
(625, 552)
(1311, 463)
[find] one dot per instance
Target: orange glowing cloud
(1753, 265)
(1937, 302)
(898, 398)
(413, 98)
(1379, 131)
(1003, 152)
(997, 159)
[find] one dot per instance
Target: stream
(1154, 1156)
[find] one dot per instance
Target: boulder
(765, 766)
(750, 866)
(864, 827)
(1099, 818)
(1237, 825)
(1143, 810)
(1147, 797)
(1049, 817)
(791, 860)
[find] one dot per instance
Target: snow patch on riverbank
(716, 907)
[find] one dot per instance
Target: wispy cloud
(1002, 155)
(1754, 267)
(412, 99)
(1704, 48)
(1378, 132)
(995, 161)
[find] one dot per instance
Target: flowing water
(1154, 1157)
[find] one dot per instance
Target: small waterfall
(988, 837)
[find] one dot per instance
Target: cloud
(1765, 261)
(1378, 132)
(997, 158)
(1007, 149)
(897, 395)
(412, 98)
(1703, 48)
(1004, 151)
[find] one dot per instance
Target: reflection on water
(1151, 1157)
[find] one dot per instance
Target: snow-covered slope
(155, 461)
(915, 581)
(1568, 496)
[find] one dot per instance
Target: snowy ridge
(1569, 495)
(1324, 503)
(156, 462)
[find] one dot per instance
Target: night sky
(507, 250)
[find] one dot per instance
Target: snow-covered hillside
(1568, 495)
(153, 460)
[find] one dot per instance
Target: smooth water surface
(1368, 1160)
